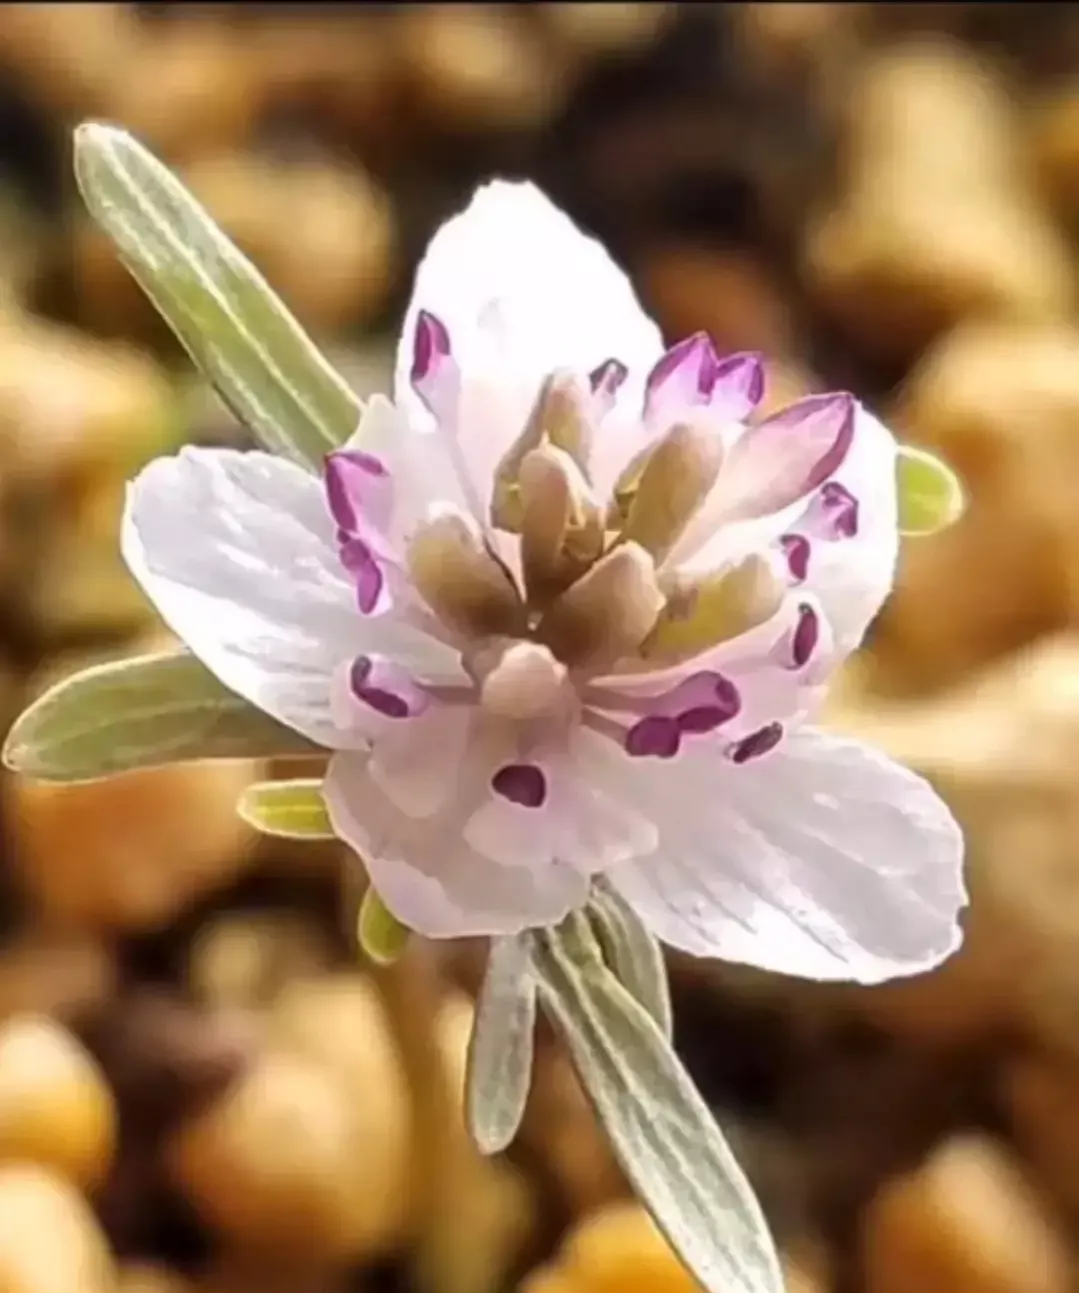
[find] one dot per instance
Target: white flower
(563, 607)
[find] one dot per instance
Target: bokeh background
(201, 1089)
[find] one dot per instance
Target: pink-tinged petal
(521, 291)
(781, 460)
(851, 527)
(555, 806)
(606, 381)
(422, 466)
(796, 550)
(430, 347)
(386, 688)
(429, 877)
(738, 387)
(359, 490)
(435, 376)
(823, 859)
(691, 376)
(831, 514)
(682, 379)
(238, 552)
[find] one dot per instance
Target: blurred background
(201, 1091)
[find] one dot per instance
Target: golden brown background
(200, 1091)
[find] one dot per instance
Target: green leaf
(633, 955)
(262, 363)
(140, 713)
(662, 1133)
(500, 1050)
(930, 494)
(381, 935)
(293, 810)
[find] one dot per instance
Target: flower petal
(520, 292)
(822, 859)
(238, 553)
(853, 574)
(429, 878)
(780, 460)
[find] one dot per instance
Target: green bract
(293, 810)
(930, 493)
(141, 713)
(262, 363)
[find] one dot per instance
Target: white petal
(237, 551)
(852, 577)
(420, 463)
(522, 291)
(429, 878)
(824, 860)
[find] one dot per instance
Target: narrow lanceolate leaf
(674, 1155)
(501, 1047)
(264, 366)
(293, 810)
(140, 713)
(632, 954)
(930, 494)
(381, 935)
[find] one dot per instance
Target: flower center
(520, 681)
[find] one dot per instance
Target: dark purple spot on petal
(521, 783)
(714, 700)
(705, 718)
(387, 703)
(359, 561)
(806, 636)
(431, 343)
(608, 377)
(796, 548)
(757, 743)
(841, 508)
(657, 737)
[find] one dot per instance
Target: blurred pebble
(965, 1222)
(49, 1239)
(55, 1107)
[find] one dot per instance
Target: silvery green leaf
(140, 713)
(662, 1133)
(293, 810)
(501, 1048)
(262, 363)
(380, 934)
(632, 953)
(930, 494)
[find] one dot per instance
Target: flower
(564, 606)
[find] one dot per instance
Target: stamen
(607, 614)
(560, 417)
(562, 527)
(712, 609)
(676, 478)
(520, 681)
(462, 580)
